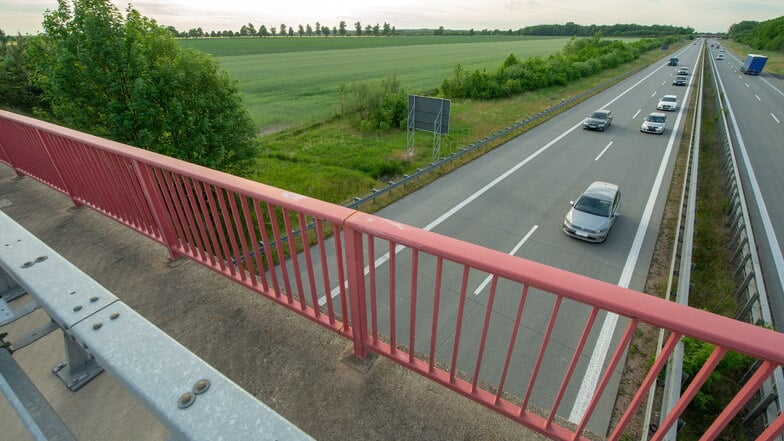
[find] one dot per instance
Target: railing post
(356, 290)
(158, 210)
(65, 185)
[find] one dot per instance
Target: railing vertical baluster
(159, 214)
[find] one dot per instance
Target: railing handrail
(205, 215)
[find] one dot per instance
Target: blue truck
(753, 64)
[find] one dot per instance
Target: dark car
(598, 120)
(673, 61)
(680, 81)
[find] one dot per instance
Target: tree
(301, 31)
(342, 30)
(127, 79)
(251, 30)
(308, 30)
(318, 29)
(358, 27)
(17, 90)
(325, 31)
(376, 30)
(387, 30)
(263, 32)
(368, 30)
(282, 29)
(273, 30)
(291, 32)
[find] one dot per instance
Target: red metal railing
(371, 279)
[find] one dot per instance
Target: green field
(289, 82)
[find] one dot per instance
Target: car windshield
(670, 99)
(592, 205)
(599, 115)
(657, 118)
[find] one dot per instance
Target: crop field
(289, 82)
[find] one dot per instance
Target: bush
(578, 59)
(374, 106)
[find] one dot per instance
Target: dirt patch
(272, 129)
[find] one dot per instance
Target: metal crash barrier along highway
(100, 332)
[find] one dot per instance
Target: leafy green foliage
(128, 80)
(767, 35)
(578, 59)
(17, 91)
(722, 382)
(374, 106)
(617, 30)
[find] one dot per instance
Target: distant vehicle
(680, 81)
(673, 61)
(720, 57)
(654, 123)
(594, 213)
(682, 71)
(668, 102)
(598, 120)
(753, 64)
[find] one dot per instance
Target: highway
(514, 199)
(755, 111)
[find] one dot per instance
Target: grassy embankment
(332, 161)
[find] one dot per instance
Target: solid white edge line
(774, 117)
(511, 253)
(595, 364)
(380, 261)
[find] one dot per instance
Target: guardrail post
(356, 290)
(158, 210)
(7, 160)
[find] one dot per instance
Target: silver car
(668, 102)
(594, 212)
(654, 123)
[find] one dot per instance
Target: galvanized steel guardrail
(535, 118)
(751, 294)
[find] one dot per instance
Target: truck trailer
(753, 64)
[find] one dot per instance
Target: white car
(668, 102)
(720, 57)
(654, 123)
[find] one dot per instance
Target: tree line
(766, 35)
(571, 29)
(284, 30)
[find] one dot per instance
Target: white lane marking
(664, 82)
(774, 117)
(511, 253)
(381, 260)
(771, 85)
(654, 94)
(770, 232)
(596, 363)
(638, 112)
(747, 85)
(605, 149)
(758, 98)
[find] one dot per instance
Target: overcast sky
(25, 16)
